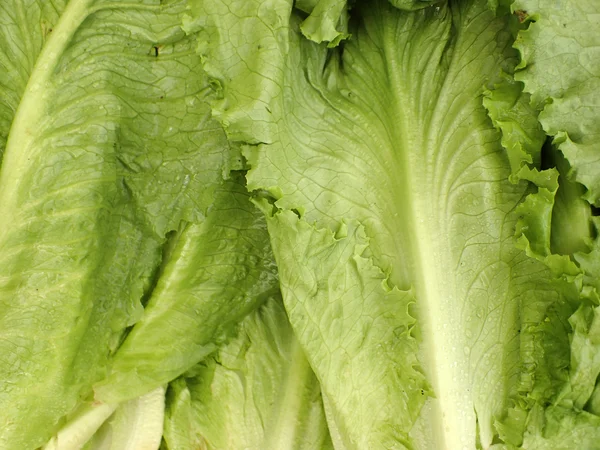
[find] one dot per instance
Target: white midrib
(140, 426)
(453, 424)
(34, 103)
(143, 428)
(282, 432)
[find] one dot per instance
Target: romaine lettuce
(377, 161)
(257, 391)
(111, 151)
(311, 224)
(216, 273)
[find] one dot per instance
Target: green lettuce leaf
(539, 230)
(216, 273)
(556, 221)
(560, 61)
(82, 423)
(559, 68)
(356, 313)
(392, 215)
(564, 429)
(111, 147)
(589, 261)
(24, 31)
(258, 391)
(427, 171)
(135, 424)
(556, 227)
(328, 21)
(585, 358)
(411, 5)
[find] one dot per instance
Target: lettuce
(110, 168)
(378, 161)
(257, 391)
(318, 224)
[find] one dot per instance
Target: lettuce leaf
(24, 32)
(133, 425)
(216, 273)
(391, 214)
(111, 147)
(560, 68)
(417, 178)
(328, 21)
(556, 224)
(257, 391)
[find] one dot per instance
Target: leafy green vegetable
(389, 132)
(111, 147)
(567, 231)
(24, 31)
(82, 425)
(561, 65)
(325, 19)
(136, 424)
(216, 273)
(366, 316)
(258, 391)
(311, 224)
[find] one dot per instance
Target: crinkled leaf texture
(391, 214)
(215, 274)
(257, 392)
(135, 424)
(560, 70)
(560, 57)
(111, 146)
(24, 31)
(328, 21)
(366, 316)
(556, 402)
